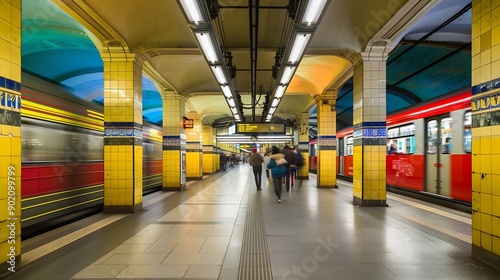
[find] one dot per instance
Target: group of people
(282, 163)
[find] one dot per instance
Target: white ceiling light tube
(207, 46)
(299, 45)
(275, 102)
(219, 74)
(271, 111)
(193, 11)
(231, 102)
(313, 11)
(287, 75)
(280, 91)
(226, 91)
(234, 110)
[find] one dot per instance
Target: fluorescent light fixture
(231, 102)
(271, 110)
(299, 45)
(237, 117)
(192, 10)
(287, 75)
(275, 137)
(268, 118)
(219, 74)
(227, 91)
(207, 46)
(234, 110)
(275, 102)
(313, 11)
(280, 91)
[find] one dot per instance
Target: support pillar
(209, 154)
(194, 148)
(485, 131)
(369, 133)
(327, 142)
(304, 145)
(174, 142)
(122, 132)
(10, 136)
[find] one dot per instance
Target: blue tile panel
(122, 129)
(9, 84)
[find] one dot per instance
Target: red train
(429, 149)
(62, 157)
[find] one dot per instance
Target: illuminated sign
(188, 123)
(271, 128)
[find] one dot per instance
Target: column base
(173, 189)
(328, 186)
(10, 266)
(361, 202)
(486, 256)
(194, 178)
(121, 209)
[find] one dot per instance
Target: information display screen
(270, 128)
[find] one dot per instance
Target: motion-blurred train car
(431, 149)
(62, 157)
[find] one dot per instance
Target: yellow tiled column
(194, 148)
(369, 133)
(327, 143)
(303, 145)
(486, 131)
(208, 150)
(122, 132)
(174, 142)
(10, 135)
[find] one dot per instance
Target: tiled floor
(313, 234)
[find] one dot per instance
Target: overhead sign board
(260, 128)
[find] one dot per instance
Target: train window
(468, 132)
(432, 136)
(349, 142)
(401, 139)
(446, 135)
(393, 132)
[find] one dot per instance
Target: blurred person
(266, 162)
(277, 171)
(256, 161)
(290, 158)
(299, 162)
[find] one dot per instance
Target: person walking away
(299, 162)
(290, 158)
(266, 162)
(223, 161)
(256, 161)
(277, 171)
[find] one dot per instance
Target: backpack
(299, 160)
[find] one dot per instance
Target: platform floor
(222, 228)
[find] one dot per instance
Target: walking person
(290, 158)
(277, 171)
(266, 162)
(299, 162)
(256, 161)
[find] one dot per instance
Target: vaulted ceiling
(62, 41)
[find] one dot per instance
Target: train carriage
(431, 149)
(62, 157)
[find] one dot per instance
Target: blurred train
(62, 157)
(431, 150)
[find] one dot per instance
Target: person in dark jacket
(290, 158)
(277, 171)
(256, 161)
(223, 161)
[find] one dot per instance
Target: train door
(439, 135)
(340, 151)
